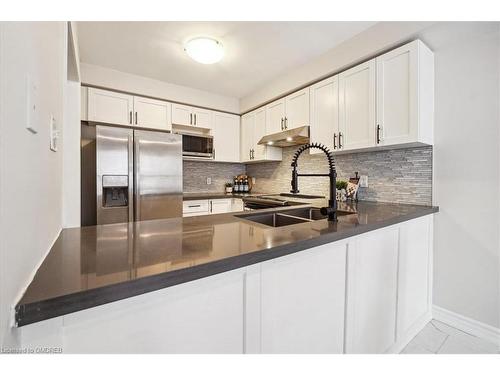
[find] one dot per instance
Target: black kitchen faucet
(331, 210)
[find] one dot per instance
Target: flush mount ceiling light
(204, 50)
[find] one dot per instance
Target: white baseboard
(405, 338)
(468, 325)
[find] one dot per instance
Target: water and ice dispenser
(115, 191)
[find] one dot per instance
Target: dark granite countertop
(91, 266)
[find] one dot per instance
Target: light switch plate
(209, 181)
(54, 134)
(31, 94)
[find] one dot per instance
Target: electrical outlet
(209, 180)
(363, 181)
(253, 180)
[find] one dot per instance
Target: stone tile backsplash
(195, 175)
(401, 176)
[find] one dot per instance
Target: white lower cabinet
(372, 292)
(211, 206)
(220, 206)
(369, 293)
(302, 301)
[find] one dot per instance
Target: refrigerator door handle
(131, 200)
(137, 193)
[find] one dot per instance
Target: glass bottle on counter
(245, 185)
(236, 187)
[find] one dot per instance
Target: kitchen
(310, 212)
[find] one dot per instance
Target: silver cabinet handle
(249, 154)
(136, 118)
(195, 118)
(286, 123)
(282, 123)
(130, 117)
(334, 141)
(340, 137)
(194, 205)
(190, 119)
(211, 205)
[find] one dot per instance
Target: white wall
(378, 38)
(466, 168)
(30, 174)
(114, 79)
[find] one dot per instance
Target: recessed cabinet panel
(226, 133)
(302, 301)
(151, 113)
(297, 109)
(357, 107)
(325, 113)
(110, 107)
(181, 114)
(372, 292)
(202, 117)
(259, 131)
(275, 120)
(247, 130)
(397, 96)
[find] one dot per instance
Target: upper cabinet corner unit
(288, 113)
(387, 101)
(112, 107)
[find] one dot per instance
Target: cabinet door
(372, 292)
(110, 107)
(181, 114)
(302, 301)
(415, 265)
(397, 94)
(275, 117)
(357, 106)
(259, 152)
(226, 132)
(325, 113)
(220, 206)
(297, 109)
(151, 113)
(247, 129)
(202, 118)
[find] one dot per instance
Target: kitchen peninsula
(224, 283)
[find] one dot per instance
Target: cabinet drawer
(195, 206)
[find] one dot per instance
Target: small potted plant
(229, 187)
(341, 190)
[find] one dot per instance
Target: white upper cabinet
(110, 107)
(181, 114)
(405, 95)
(121, 109)
(202, 117)
(297, 109)
(357, 107)
(288, 113)
(247, 130)
(191, 116)
(275, 116)
(253, 128)
(226, 133)
(152, 113)
(325, 113)
(259, 151)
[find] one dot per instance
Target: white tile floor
(440, 338)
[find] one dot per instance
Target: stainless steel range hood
(292, 137)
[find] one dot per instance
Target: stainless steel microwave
(198, 145)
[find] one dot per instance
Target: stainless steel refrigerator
(139, 175)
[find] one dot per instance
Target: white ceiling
(255, 52)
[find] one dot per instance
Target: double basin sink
(289, 217)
